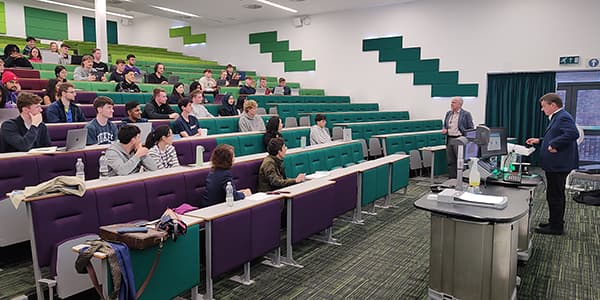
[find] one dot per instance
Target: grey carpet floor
(388, 258)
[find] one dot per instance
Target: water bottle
(229, 194)
(303, 142)
(103, 166)
(80, 169)
(474, 176)
(199, 155)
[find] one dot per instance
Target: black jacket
(17, 138)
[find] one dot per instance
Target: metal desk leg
(275, 259)
(208, 247)
(382, 141)
(432, 166)
(387, 202)
(289, 255)
(244, 278)
(327, 237)
(37, 273)
(357, 218)
(371, 209)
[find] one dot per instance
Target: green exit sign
(569, 60)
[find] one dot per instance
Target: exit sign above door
(569, 60)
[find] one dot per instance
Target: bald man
(456, 123)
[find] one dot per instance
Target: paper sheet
(257, 196)
(477, 198)
(318, 174)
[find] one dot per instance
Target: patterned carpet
(388, 258)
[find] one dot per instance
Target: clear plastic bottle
(474, 176)
(229, 194)
(80, 169)
(103, 166)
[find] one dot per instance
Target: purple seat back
(164, 192)
(156, 123)
(195, 186)
(58, 132)
(245, 174)
(25, 73)
(185, 155)
(50, 166)
(312, 212)
(91, 163)
(61, 218)
(230, 235)
(208, 144)
(266, 224)
(16, 173)
(33, 83)
(85, 97)
(122, 203)
(120, 112)
(88, 111)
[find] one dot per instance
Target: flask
(229, 194)
(103, 166)
(199, 155)
(474, 176)
(80, 169)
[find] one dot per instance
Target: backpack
(588, 197)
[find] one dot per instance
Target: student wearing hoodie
(128, 155)
(228, 107)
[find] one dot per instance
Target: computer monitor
(497, 144)
(471, 149)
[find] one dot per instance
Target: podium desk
(473, 251)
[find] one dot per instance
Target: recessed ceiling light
(278, 6)
(252, 6)
(85, 8)
(175, 11)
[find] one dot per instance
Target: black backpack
(588, 197)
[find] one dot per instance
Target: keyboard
(516, 178)
(487, 166)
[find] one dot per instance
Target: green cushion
(251, 144)
(230, 140)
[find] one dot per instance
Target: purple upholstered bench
(58, 132)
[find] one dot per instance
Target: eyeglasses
(71, 92)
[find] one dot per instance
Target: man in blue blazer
(456, 122)
(558, 156)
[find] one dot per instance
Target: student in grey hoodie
(128, 155)
(249, 120)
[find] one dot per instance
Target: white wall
(474, 37)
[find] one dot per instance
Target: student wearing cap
(26, 131)
(10, 87)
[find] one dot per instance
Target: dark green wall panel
(298, 66)
(46, 24)
(382, 43)
(263, 37)
(450, 90)
(283, 56)
(89, 30)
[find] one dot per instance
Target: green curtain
(89, 30)
(513, 103)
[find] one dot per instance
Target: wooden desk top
(222, 209)
(383, 136)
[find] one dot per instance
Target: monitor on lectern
(497, 144)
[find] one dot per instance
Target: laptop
(221, 82)
(49, 56)
(76, 140)
(145, 129)
(234, 82)
(173, 79)
(295, 92)
(7, 114)
(278, 90)
(260, 91)
(75, 59)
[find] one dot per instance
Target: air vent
(252, 6)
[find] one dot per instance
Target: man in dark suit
(558, 156)
(456, 123)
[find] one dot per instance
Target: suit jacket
(562, 135)
(465, 120)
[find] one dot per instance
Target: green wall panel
(89, 30)
(404, 54)
(382, 43)
(280, 52)
(450, 90)
(188, 37)
(263, 37)
(297, 66)
(47, 24)
(283, 56)
(274, 46)
(2, 18)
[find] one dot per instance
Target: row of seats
(354, 117)
(413, 141)
(18, 171)
(365, 131)
(285, 110)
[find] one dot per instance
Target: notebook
(278, 90)
(260, 91)
(295, 92)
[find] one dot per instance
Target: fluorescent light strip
(278, 6)
(175, 11)
(84, 8)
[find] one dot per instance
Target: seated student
(198, 110)
(177, 93)
(101, 130)
(319, 134)
(220, 174)
(286, 89)
(157, 76)
(160, 143)
(274, 126)
(30, 45)
(128, 85)
(249, 120)
(51, 91)
(26, 131)
(229, 72)
(247, 88)
(85, 72)
(61, 73)
(131, 65)
(240, 103)
(53, 47)
(186, 125)
(10, 88)
(64, 110)
(35, 55)
(13, 58)
(134, 113)
(209, 85)
(63, 55)
(158, 108)
(222, 81)
(228, 107)
(195, 85)
(128, 155)
(271, 174)
(119, 74)
(100, 67)
(263, 85)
